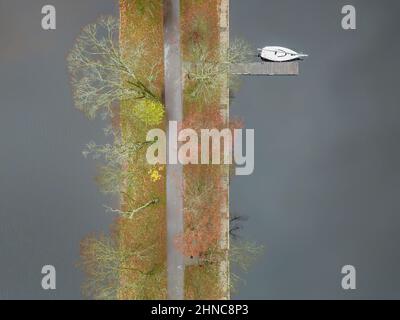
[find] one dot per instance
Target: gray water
(326, 189)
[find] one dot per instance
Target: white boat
(279, 54)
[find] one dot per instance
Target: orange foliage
(211, 116)
(204, 195)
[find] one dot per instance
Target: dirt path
(174, 105)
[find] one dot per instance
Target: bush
(149, 111)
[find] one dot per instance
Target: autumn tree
(242, 255)
(121, 80)
(103, 74)
(203, 190)
(203, 195)
(107, 264)
(206, 72)
(116, 175)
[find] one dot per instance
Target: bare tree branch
(131, 213)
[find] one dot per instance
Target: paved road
(173, 102)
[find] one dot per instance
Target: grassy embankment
(142, 25)
(203, 192)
